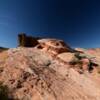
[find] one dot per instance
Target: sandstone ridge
(49, 70)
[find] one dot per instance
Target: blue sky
(75, 21)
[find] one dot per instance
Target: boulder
(67, 57)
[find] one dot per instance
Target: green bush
(80, 56)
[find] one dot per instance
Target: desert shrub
(80, 56)
(3, 92)
(75, 61)
(79, 65)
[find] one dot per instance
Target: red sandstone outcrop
(34, 74)
(54, 46)
(27, 41)
(67, 57)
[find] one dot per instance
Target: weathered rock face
(33, 74)
(85, 63)
(67, 57)
(95, 53)
(27, 41)
(54, 46)
(36, 74)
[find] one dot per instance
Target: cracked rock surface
(32, 74)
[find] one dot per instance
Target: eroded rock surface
(34, 74)
(54, 46)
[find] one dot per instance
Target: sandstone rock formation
(34, 74)
(27, 41)
(54, 46)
